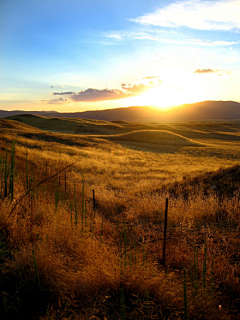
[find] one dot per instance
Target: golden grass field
(62, 257)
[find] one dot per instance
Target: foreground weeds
(67, 255)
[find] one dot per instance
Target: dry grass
(107, 264)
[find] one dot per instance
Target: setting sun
(166, 95)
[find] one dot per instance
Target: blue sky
(77, 55)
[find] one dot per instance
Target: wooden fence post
(165, 233)
(65, 184)
(94, 202)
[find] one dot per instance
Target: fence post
(165, 233)
(94, 202)
(65, 184)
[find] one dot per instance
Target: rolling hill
(161, 137)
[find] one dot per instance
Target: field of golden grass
(66, 254)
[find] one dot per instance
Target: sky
(77, 55)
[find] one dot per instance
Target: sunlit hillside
(83, 229)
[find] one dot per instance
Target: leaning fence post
(165, 233)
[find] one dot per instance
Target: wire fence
(167, 232)
(170, 210)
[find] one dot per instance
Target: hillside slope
(68, 125)
(161, 137)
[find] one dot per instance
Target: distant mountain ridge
(206, 110)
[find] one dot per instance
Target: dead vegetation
(67, 255)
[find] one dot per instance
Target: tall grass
(7, 172)
(70, 258)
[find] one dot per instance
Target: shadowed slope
(161, 137)
(225, 182)
(12, 125)
(67, 125)
(10, 129)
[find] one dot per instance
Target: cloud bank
(94, 95)
(200, 15)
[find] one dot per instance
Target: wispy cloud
(204, 71)
(55, 101)
(218, 72)
(200, 15)
(161, 25)
(63, 93)
(165, 37)
(153, 77)
(94, 95)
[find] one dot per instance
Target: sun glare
(173, 93)
(163, 97)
